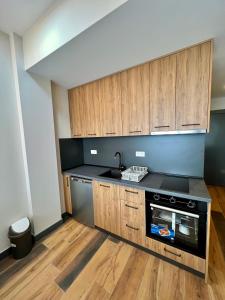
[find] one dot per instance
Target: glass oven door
(174, 226)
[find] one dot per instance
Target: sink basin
(114, 173)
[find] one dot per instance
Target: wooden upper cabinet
(110, 106)
(92, 111)
(193, 87)
(77, 111)
(162, 94)
(135, 100)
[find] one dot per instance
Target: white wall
(62, 127)
(61, 111)
(218, 103)
(13, 195)
(37, 116)
(60, 25)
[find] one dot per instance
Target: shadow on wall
(215, 150)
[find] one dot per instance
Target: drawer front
(132, 195)
(132, 232)
(185, 258)
(132, 212)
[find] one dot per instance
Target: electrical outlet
(140, 154)
(94, 151)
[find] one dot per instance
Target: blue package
(158, 230)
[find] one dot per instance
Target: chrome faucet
(121, 167)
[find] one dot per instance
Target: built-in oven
(177, 221)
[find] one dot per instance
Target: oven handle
(175, 210)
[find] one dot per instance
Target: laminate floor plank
(39, 285)
(19, 265)
(82, 241)
(30, 272)
(98, 266)
(80, 261)
(128, 285)
(70, 227)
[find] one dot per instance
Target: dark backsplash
(71, 153)
(173, 154)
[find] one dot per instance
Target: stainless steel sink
(113, 173)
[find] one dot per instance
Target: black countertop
(151, 182)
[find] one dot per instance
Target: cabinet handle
(194, 124)
(91, 133)
(162, 126)
(179, 255)
(106, 186)
(135, 131)
(131, 206)
(134, 228)
(67, 181)
(127, 191)
(110, 133)
(77, 135)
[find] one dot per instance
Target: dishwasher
(82, 200)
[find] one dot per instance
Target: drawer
(132, 212)
(132, 195)
(185, 258)
(132, 232)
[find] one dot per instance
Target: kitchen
(127, 149)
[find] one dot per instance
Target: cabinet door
(92, 105)
(135, 100)
(77, 112)
(110, 99)
(162, 93)
(106, 207)
(193, 87)
(67, 194)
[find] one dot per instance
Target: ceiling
(18, 15)
(138, 31)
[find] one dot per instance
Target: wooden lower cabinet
(67, 194)
(132, 225)
(182, 257)
(106, 206)
(136, 196)
(121, 210)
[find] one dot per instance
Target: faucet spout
(121, 167)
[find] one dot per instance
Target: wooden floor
(76, 262)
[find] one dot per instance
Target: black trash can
(21, 238)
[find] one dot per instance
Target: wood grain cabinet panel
(67, 194)
(177, 255)
(193, 87)
(162, 94)
(92, 112)
(77, 112)
(136, 196)
(110, 108)
(135, 100)
(106, 206)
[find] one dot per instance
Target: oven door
(176, 227)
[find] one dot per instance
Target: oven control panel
(174, 201)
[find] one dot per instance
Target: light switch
(94, 151)
(140, 154)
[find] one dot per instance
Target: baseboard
(48, 230)
(5, 253)
(66, 216)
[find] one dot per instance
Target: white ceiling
(18, 15)
(138, 31)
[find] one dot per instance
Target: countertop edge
(135, 185)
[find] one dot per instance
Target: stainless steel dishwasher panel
(82, 200)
